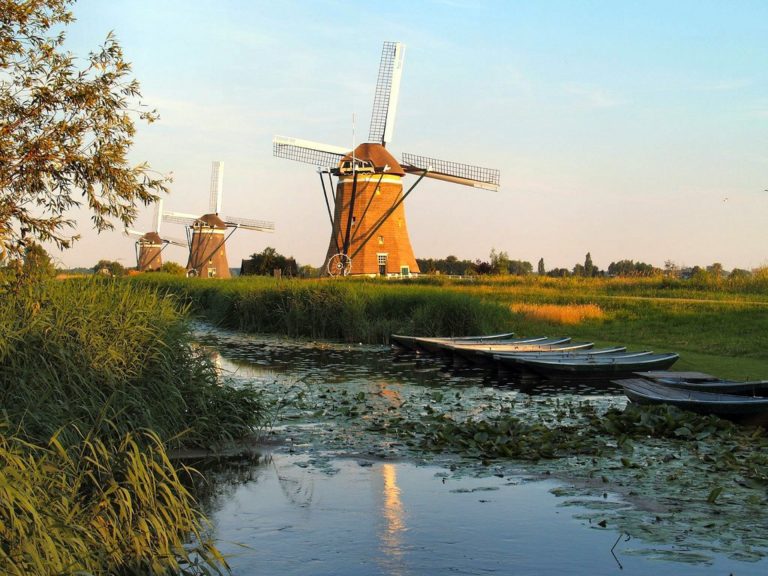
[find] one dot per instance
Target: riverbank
(719, 328)
(97, 380)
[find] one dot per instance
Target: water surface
(331, 498)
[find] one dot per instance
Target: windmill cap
(212, 221)
(152, 238)
(377, 155)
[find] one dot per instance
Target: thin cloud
(592, 96)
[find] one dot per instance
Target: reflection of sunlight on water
(392, 511)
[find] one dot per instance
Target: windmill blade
(387, 92)
(466, 174)
(249, 224)
(132, 232)
(217, 186)
(175, 241)
(323, 155)
(179, 218)
(158, 215)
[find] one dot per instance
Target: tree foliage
(449, 265)
(630, 268)
(65, 130)
(265, 264)
(110, 268)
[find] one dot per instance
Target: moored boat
(752, 409)
(555, 353)
(595, 366)
(422, 342)
(484, 352)
(747, 388)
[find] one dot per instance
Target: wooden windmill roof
(212, 221)
(378, 156)
(152, 238)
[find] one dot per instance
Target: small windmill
(150, 245)
(207, 235)
(368, 231)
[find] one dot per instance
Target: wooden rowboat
(743, 408)
(600, 365)
(483, 353)
(707, 383)
(414, 342)
(555, 353)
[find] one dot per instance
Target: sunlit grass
(560, 313)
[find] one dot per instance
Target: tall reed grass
(98, 507)
(347, 310)
(96, 379)
(79, 354)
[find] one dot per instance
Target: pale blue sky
(625, 129)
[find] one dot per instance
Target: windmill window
(381, 240)
(405, 271)
(211, 272)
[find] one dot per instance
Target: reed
(85, 354)
(348, 310)
(96, 379)
(98, 507)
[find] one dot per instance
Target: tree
(37, 262)
(173, 268)
(110, 268)
(499, 261)
(589, 268)
(265, 263)
(540, 269)
(65, 131)
(520, 267)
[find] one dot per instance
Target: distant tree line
(499, 263)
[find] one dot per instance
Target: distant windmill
(150, 245)
(368, 231)
(207, 234)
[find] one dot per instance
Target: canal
(330, 494)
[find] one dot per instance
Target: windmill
(368, 230)
(207, 235)
(150, 245)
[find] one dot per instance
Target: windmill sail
(158, 215)
(466, 174)
(387, 92)
(217, 185)
(249, 224)
(179, 218)
(323, 155)
(175, 241)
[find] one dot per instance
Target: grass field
(717, 326)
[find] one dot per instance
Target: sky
(627, 129)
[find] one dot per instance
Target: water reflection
(394, 526)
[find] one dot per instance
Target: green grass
(718, 326)
(350, 311)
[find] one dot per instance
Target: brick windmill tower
(369, 235)
(207, 235)
(150, 245)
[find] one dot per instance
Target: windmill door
(382, 264)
